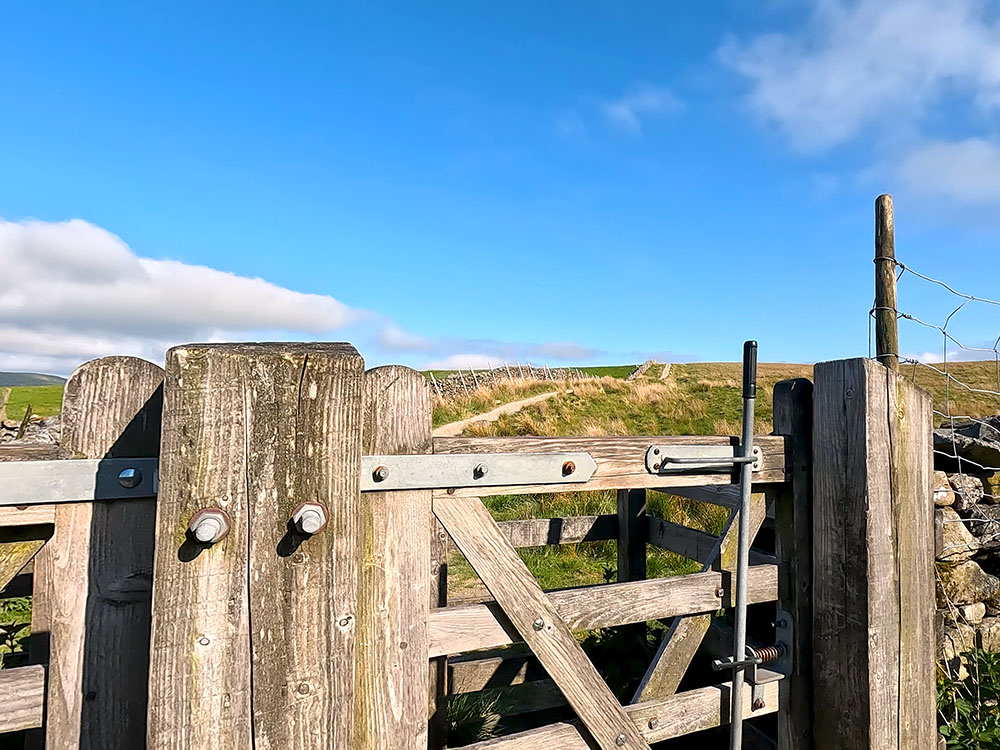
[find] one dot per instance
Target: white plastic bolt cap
(208, 529)
(311, 521)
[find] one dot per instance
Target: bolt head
(538, 624)
(130, 478)
(568, 468)
(480, 470)
(620, 740)
(758, 704)
(309, 518)
(654, 723)
(720, 592)
(381, 473)
(209, 525)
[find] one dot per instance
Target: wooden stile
(793, 416)
(873, 577)
(264, 654)
(394, 599)
(91, 606)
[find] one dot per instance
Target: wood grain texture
(31, 515)
(29, 452)
(793, 415)
(536, 620)
(538, 532)
(873, 639)
(394, 599)
(693, 544)
(477, 626)
(91, 608)
(676, 716)
(886, 325)
(621, 461)
(14, 556)
(22, 692)
(681, 642)
(264, 656)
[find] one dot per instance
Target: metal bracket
(453, 470)
(685, 459)
(77, 480)
(784, 636)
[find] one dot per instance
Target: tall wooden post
(631, 535)
(93, 579)
(253, 640)
(873, 560)
(793, 415)
(886, 325)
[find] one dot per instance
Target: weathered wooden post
(93, 578)
(873, 560)
(886, 325)
(793, 415)
(253, 640)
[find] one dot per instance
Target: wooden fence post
(253, 637)
(394, 601)
(886, 325)
(91, 605)
(873, 560)
(793, 415)
(631, 535)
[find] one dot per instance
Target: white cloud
(864, 63)
(967, 171)
(641, 102)
(395, 339)
(462, 361)
(71, 291)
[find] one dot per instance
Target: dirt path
(456, 428)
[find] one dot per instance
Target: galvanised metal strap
(25, 483)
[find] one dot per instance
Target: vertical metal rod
(743, 554)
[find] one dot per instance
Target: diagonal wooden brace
(517, 592)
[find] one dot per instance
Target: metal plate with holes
(453, 470)
(691, 459)
(74, 481)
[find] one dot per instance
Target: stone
(958, 543)
(972, 614)
(989, 632)
(991, 484)
(984, 521)
(977, 441)
(966, 583)
(955, 639)
(944, 495)
(968, 490)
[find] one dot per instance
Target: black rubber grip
(749, 369)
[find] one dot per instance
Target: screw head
(309, 518)
(654, 723)
(538, 624)
(480, 470)
(381, 473)
(720, 592)
(209, 525)
(758, 704)
(568, 468)
(620, 740)
(129, 478)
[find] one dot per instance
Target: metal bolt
(130, 478)
(781, 624)
(479, 471)
(309, 518)
(656, 467)
(656, 452)
(758, 704)
(568, 468)
(538, 624)
(720, 592)
(654, 723)
(381, 473)
(209, 525)
(620, 740)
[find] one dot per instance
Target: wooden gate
(275, 638)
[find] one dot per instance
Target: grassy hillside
(45, 400)
(11, 379)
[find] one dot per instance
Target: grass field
(45, 400)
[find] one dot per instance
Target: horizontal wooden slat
(32, 515)
(678, 715)
(478, 626)
(22, 696)
(621, 461)
(28, 452)
(496, 668)
(728, 496)
(537, 532)
(693, 544)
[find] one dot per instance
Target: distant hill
(14, 379)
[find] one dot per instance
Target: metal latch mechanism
(685, 459)
(778, 657)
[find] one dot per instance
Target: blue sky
(583, 182)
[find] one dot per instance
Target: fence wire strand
(952, 350)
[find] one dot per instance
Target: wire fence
(963, 375)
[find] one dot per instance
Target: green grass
(481, 400)
(611, 371)
(45, 400)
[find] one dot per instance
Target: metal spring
(767, 654)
